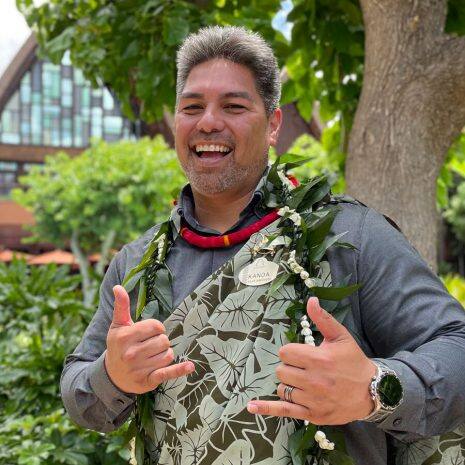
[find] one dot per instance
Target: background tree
(396, 132)
(102, 199)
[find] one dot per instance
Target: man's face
(222, 133)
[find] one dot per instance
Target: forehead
(220, 76)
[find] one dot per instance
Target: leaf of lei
(335, 293)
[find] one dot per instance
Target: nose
(210, 121)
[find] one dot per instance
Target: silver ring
(288, 393)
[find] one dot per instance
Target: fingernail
(190, 367)
(252, 408)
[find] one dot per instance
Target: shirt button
(397, 422)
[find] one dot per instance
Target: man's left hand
(330, 381)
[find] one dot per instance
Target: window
(55, 105)
(8, 176)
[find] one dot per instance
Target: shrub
(41, 320)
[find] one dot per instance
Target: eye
(235, 107)
(192, 108)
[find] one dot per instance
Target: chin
(231, 178)
(209, 184)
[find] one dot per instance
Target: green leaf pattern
(232, 333)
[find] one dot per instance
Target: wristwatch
(386, 391)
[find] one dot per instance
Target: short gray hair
(235, 44)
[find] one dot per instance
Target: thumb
(121, 309)
(328, 326)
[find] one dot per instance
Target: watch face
(390, 390)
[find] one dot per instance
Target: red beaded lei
(228, 240)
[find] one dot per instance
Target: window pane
(26, 89)
(9, 138)
(113, 124)
(36, 77)
(107, 100)
(8, 166)
(66, 59)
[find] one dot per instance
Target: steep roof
(22, 61)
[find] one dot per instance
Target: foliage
(452, 172)
(325, 158)
(125, 187)
(455, 214)
(326, 63)
(41, 320)
(453, 178)
(131, 46)
(455, 284)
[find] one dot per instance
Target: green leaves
(175, 29)
(42, 319)
(277, 283)
(335, 293)
(300, 443)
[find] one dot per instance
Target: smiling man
(194, 320)
(223, 134)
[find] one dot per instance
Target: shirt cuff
(406, 418)
(113, 398)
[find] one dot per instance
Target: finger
(147, 329)
(148, 349)
(146, 366)
(297, 355)
(298, 396)
(329, 327)
(278, 408)
(292, 376)
(121, 309)
(158, 376)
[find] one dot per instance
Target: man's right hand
(139, 355)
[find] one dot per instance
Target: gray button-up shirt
(402, 316)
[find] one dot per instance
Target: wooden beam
(33, 153)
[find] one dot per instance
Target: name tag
(260, 271)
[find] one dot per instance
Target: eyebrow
(236, 94)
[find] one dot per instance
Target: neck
(221, 211)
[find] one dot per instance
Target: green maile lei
(307, 214)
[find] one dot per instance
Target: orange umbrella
(60, 257)
(7, 255)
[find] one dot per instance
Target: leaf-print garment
(232, 333)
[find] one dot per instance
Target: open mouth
(211, 150)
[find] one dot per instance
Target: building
(46, 108)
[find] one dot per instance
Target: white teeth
(212, 148)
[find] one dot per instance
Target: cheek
(253, 137)
(182, 128)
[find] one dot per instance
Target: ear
(274, 122)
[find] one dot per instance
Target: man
(238, 388)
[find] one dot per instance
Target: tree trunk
(410, 111)
(294, 126)
(105, 253)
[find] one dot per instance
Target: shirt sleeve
(89, 396)
(415, 328)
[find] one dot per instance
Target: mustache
(213, 140)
